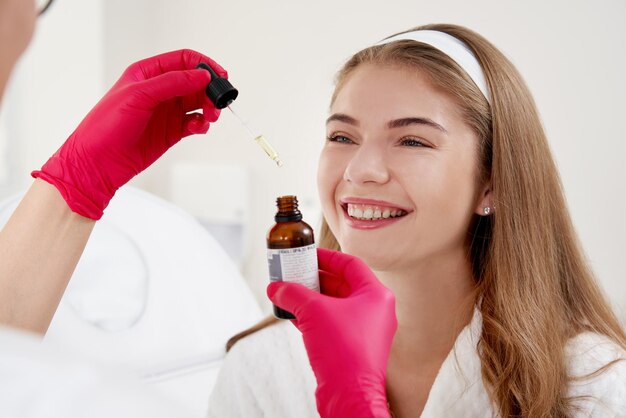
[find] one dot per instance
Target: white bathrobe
(267, 374)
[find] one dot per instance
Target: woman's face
(397, 175)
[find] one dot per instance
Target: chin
(373, 257)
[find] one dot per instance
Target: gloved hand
(139, 118)
(347, 331)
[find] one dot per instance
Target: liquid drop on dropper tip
(259, 139)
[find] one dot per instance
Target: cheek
(442, 187)
(329, 175)
(451, 212)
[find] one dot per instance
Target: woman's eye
(412, 142)
(340, 138)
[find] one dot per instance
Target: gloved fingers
(334, 285)
(356, 273)
(183, 59)
(170, 85)
(195, 123)
(211, 113)
(195, 101)
(292, 297)
(201, 101)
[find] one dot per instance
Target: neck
(434, 301)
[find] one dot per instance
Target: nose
(367, 165)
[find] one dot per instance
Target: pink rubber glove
(347, 332)
(139, 118)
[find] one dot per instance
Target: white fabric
(452, 47)
(153, 293)
(41, 381)
(267, 374)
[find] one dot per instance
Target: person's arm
(149, 109)
(39, 248)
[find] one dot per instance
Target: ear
(485, 205)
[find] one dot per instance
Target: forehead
(386, 92)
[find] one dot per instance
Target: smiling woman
(437, 173)
(410, 153)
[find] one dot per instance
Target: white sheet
(155, 293)
(43, 381)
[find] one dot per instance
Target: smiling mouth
(372, 212)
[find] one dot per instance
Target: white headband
(451, 46)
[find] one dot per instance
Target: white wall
(282, 55)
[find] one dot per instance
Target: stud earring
(486, 210)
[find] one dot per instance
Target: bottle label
(295, 265)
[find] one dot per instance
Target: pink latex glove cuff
(347, 331)
(139, 118)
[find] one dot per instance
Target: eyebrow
(342, 117)
(396, 123)
(399, 123)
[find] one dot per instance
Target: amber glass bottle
(291, 253)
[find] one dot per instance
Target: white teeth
(367, 212)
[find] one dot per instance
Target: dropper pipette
(222, 94)
(259, 139)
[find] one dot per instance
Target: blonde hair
(535, 289)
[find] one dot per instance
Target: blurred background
(282, 56)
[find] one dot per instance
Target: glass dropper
(222, 94)
(259, 139)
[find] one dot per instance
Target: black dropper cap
(219, 90)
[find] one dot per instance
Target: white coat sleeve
(232, 396)
(39, 380)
